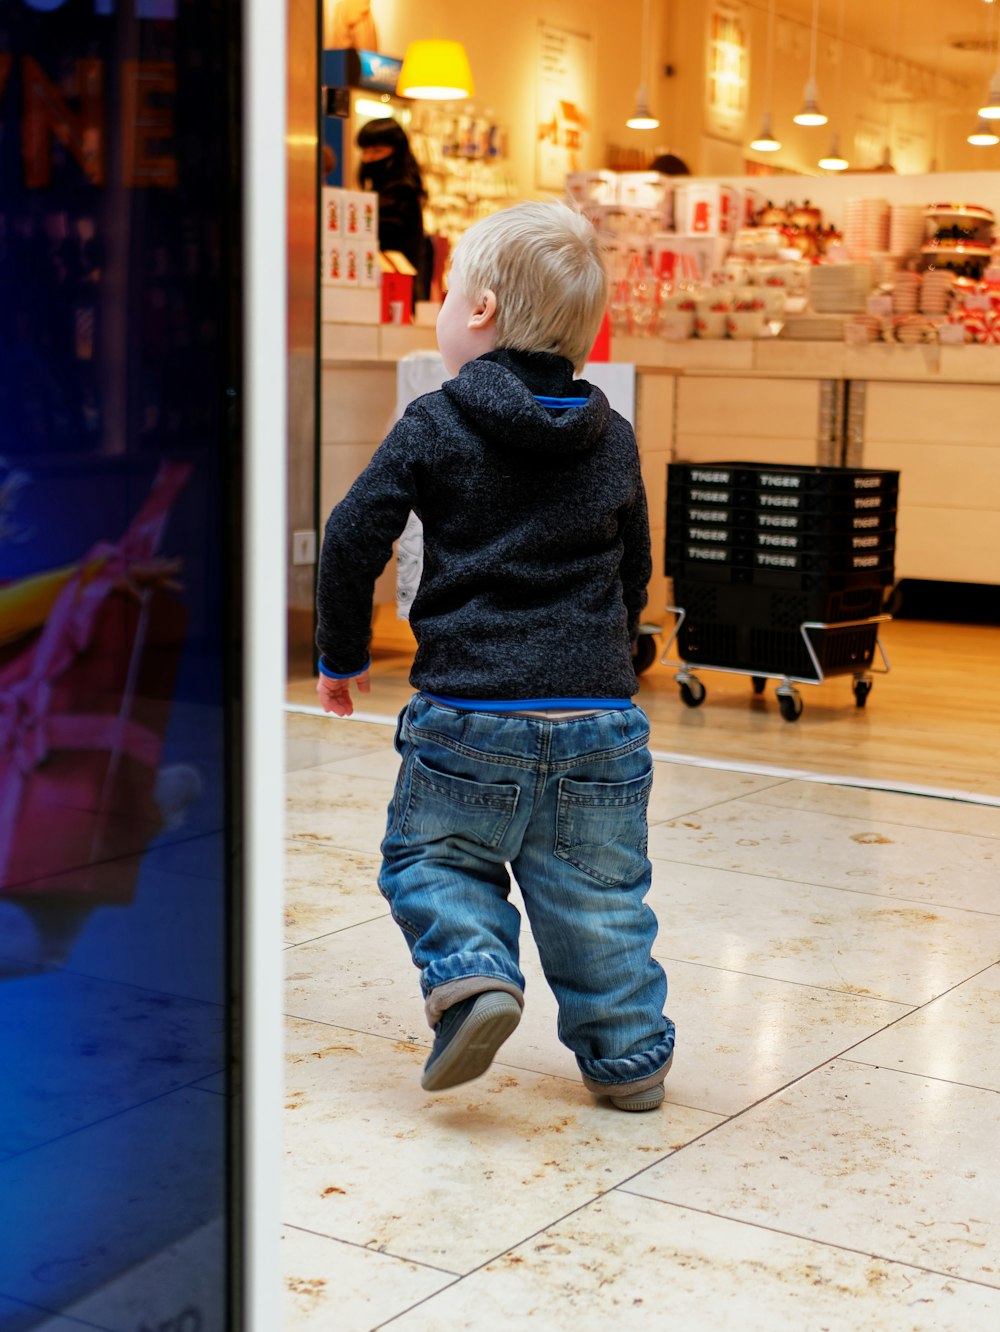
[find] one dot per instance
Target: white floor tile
(335, 809)
(860, 943)
(739, 1037)
(913, 864)
(679, 789)
(957, 1037)
(798, 922)
(898, 1166)
(627, 1262)
(453, 1179)
(886, 807)
(311, 740)
(328, 889)
(331, 1285)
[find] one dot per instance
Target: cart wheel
(758, 682)
(862, 688)
(644, 654)
(692, 692)
(790, 705)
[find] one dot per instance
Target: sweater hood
(496, 395)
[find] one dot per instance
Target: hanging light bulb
(984, 135)
(990, 110)
(833, 160)
(810, 113)
(765, 141)
(642, 118)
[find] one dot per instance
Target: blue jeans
(563, 803)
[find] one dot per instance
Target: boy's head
(530, 278)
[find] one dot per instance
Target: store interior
(809, 252)
(823, 841)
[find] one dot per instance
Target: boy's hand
(335, 695)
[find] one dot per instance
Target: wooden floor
(932, 722)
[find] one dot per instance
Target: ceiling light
(642, 118)
(810, 113)
(984, 135)
(990, 110)
(833, 160)
(435, 71)
(765, 141)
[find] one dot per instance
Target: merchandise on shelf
(463, 160)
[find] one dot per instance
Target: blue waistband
(530, 704)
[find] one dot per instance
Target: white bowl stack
(906, 293)
(866, 227)
(907, 229)
(935, 291)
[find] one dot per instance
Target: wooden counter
(931, 412)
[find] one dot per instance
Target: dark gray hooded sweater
(536, 538)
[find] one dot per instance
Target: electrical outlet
(304, 547)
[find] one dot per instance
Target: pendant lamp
(810, 113)
(835, 160)
(990, 110)
(435, 70)
(642, 118)
(984, 135)
(765, 141)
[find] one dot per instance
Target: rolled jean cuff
(453, 992)
(626, 1088)
(633, 1073)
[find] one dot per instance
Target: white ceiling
(922, 31)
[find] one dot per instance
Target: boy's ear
(485, 310)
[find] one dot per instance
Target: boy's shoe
(648, 1099)
(467, 1037)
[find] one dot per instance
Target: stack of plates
(906, 229)
(935, 291)
(866, 227)
(884, 268)
(906, 293)
(839, 288)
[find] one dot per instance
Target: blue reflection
(118, 328)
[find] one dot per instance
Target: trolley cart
(823, 661)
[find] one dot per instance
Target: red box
(397, 298)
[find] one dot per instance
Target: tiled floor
(826, 1157)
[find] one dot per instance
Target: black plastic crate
(775, 608)
(840, 650)
(743, 489)
(736, 563)
(779, 537)
(738, 519)
(781, 479)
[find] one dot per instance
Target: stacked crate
(755, 551)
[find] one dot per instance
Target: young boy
(522, 747)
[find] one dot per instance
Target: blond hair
(543, 263)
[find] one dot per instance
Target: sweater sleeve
(637, 564)
(357, 545)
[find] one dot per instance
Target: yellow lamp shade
(435, 70)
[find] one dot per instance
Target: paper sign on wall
(562, 136)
